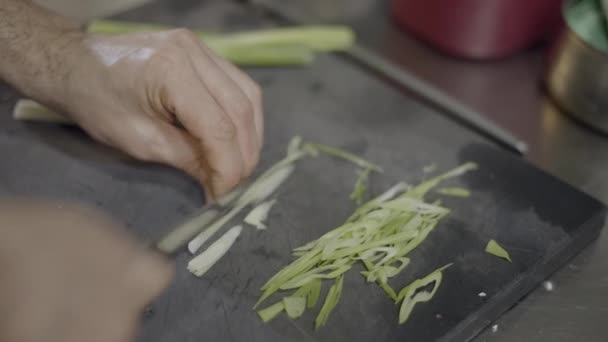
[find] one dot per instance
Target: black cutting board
(540, 220)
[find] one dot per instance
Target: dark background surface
(332, 102)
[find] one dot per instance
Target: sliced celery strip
(360, 186)
(495, 249)
(422, 189)
(455, 192)
(340, 153)
(331, 300)
(258, 215)
(414, 293)
(204, 261)
(311, 291)
(294, 306)
(269, 313)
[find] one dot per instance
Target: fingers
(249, 87)
(234, 101)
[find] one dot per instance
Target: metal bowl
(577, 79)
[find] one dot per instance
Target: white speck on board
(494, 328)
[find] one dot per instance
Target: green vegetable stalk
(285, 46)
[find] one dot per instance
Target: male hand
(165, 97)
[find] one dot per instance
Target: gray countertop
(508, 92)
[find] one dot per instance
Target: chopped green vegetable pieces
(495, 249)
(417, 292)
(271, 312)
(360, 186)
(455, 192)
(339, 153)
(311, 291)
(332, 299)
(380, 234)
(294, 306)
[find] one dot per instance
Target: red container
(479, 29)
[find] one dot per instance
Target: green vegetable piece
(268, 47)
(416, 292)
(360, 186)
(271, 312)
(311, 291)
(314, 294)
(421, 190)
(294, 306)
(455, 192)
(340, 153)
(495, 249)
(331, 300)
(389, 291)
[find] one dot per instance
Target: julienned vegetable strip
(337, 152)
(416, 292)
(331, 300)
(186, 231)
(379, 234)
(360, 186)
(204, 261)
(263, 187)
(258, 215)
(454, 192)
(495, 249)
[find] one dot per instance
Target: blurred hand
(165, 97)
(70, 275)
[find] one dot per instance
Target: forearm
(35, 49)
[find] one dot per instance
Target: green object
(332, 299)
(360, 186)
(495, 249)
(415, 292)
(454, 192)
(379, 234)
(271, 312)
(587, 19)
(283, 46)
(311, 291)
(294, 306)
(340, 153)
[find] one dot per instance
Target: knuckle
(224, 128)
(241, 108)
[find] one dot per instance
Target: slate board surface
(540, 220)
